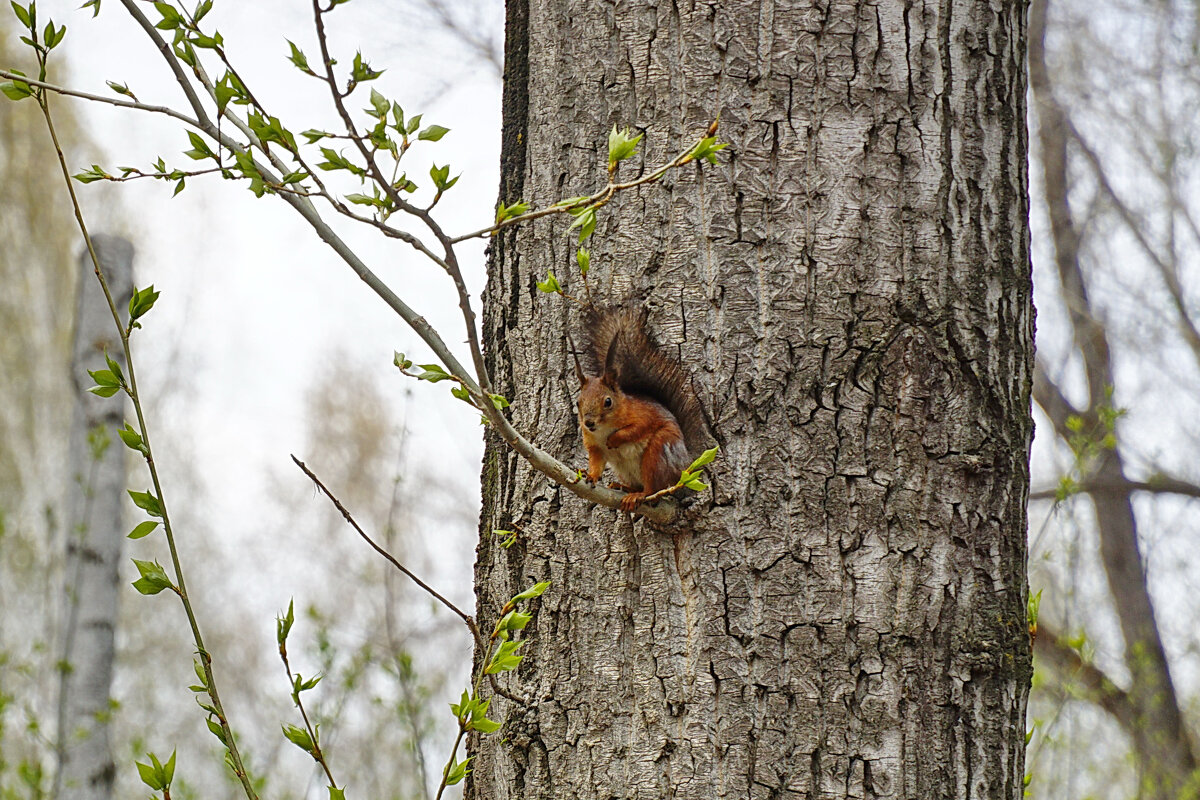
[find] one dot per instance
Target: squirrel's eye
(608, 402)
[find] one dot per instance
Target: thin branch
(467, 619)
(317, 754)
(179, 586)
(1155, 485)
(450, 258)
(97, 98)
(596, 200)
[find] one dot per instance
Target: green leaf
(484, 725)
(441, 177)
(505, 659)
(104, 377)
(169, 767)
(499, 401)
(463, 707)
(335, 160)
(150, 776)
(620, 145)
(147, 502)
(432, 373)
(270, 129)
(585, 220)
(120, 88)
(550, 285)
(456, 770)
(583, 257)
(299, 59)
(22, 14)
(113, 366)
(413, 124)
(153, 577)
(200, 149)
(707, 149)
(283, 624)
(1032, 606)
(51, 35)
(533, 591)
(142, 301)
(299, 737)
(512, 621)
(433, 133)
(400, 361)
(95, 6)
(202, 9)
(215, 728)
(361, 71)
(696, 485)
(143, 529)
(104, 391)
(198, 668)
(703, 460)
(17, 90)
(380, 105)
(334, 792)
(504, 212)
(461, 393)
(131, 438)
(171, 18)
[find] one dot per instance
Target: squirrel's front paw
(632, 500)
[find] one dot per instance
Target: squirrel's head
(600, 395)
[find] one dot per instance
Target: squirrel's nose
(591, 425)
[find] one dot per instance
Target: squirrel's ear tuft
(611, 368)
(575, 355)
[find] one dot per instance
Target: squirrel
(639, 415)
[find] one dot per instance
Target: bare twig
(467, 619)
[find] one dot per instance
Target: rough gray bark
(844, 614)
(96, 531)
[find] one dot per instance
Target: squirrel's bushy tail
(644, 368)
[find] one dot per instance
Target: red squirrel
(639, 415)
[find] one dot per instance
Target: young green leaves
(471, 713)
(108, 381)
(621, 145)
(690, 478)
(157, 775)
(153, 578)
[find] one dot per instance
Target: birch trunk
(86, 769)
(843, 615)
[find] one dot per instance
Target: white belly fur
(626, 461)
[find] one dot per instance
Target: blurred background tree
(1116, 91)
(1114, 163)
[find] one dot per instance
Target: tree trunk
(844, 613)
(86, 770)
